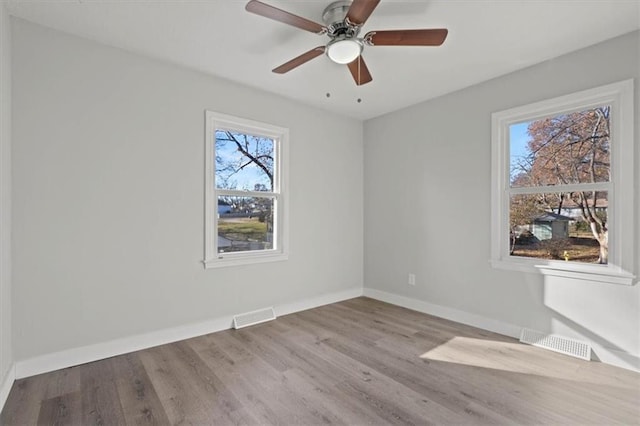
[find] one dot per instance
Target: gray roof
(552, 217)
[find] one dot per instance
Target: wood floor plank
(346, 409)
(343, 378)
(138, 398)
(209, 387)
(407, 368)
(350, 372)
(184, 395)
(23, 403)
(268, 354)
(391, 366)
(323, 375)
(263, 397)
(62, 382)
(100, 401)
(276, 389)
(61, 410)
(359, 361)
(168, 385)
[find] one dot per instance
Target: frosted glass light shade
(344, 51)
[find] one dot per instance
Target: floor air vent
(254, 317)
(561, 344)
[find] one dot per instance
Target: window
(562, 194)
(246, 180)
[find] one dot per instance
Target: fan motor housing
(334, 18)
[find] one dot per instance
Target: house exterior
(572, 210)
(551, 225)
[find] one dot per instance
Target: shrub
(555, 247)
(582, 226)
(526, 237)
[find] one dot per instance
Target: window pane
(245, 223)
(565, 149)
(244, 162)
(564, 226)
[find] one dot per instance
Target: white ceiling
(487, 38)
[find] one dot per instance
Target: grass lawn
(579, 249)
(242, 229)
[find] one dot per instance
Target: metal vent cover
(253, 317)
(561, 344)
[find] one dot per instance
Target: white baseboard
(314, 302)
(616, 357)
(81, 355)
(76, 356)
(5, 387)
(606, 355)
(446, 313)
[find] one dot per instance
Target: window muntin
(609, 176)
(245, 189)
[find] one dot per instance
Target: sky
(518, 138)
(250, 175)
(247, 177)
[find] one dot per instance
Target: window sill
(237, 259)
(584, 272)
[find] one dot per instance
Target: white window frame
(619, 269)
(280, 137)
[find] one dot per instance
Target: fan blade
(263, 9)
(296, 62)
(360, 10)
(432, 37)
(359, 71)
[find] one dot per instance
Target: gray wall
(108, 200)
(108, 190)
(427, 207)
(6, 357)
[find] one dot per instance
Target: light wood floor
(356, 362)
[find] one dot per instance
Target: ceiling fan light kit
(343, 21)
(344, 50)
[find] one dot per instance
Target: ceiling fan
(343, 21)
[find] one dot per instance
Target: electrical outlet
(412, 279)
